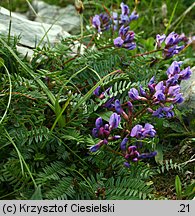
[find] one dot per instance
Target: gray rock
(31, 33)
(188, 90)
(66, 17)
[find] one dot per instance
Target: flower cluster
(159, 99)
(131, 153)
(101, 22)
(104, 21)
(103, 131)
(172, 42)
(125, 38)
(102, 94)
(125, 16)
(167, 91)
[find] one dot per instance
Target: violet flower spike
(185, 74)
(174, 68)
(98, 123)
(97, 91)
(118, 106)
(134, 94)
(148, 130)
(118, 42)
(124, 8)
(160, 39)
(127, 164)
(114, 121)
(147, 155)
(96, 146)
(96, 22)
(136, 131)
(134, 16)
(123, 144)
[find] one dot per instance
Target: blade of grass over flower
(171, 18)
(21, 158)
(89, 93)
(10, 91)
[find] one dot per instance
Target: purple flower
(134, 94)
(132, 154)
(96, 146)
(136, 131)
(171, 43)
(130, 46)
(117, 106)
(109, 104)
(101, 22)
(148, 130)
(160, 39)
(115, 137)
(96, 22)
(142, 91)
(123, 30)
(130, 106)
(178, 98)
(127, 164)
(185, 74)
(95, 132)
(139, 131)
(151, 84)
(129, 37)
(123, 144)
(97, 91)
(173, 90)
(173, 39)
(147, 155)
(164, 112)
(118, 42)
(98, 123)
(125, 38)
(159, 95)
(172, 80)
(174, 68)
(133, 16)
(114, 120)
(125, 9)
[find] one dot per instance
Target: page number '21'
(184, 208)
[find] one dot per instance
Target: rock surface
(31, 33)
(188, 90)
(66, 17)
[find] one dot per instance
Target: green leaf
(159, 156)
(105, 115)
(1, 62)
(178, 187)
(37, 195)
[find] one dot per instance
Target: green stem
(21, 158)
(10, 94)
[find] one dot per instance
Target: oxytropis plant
(158, 99)
(118, 22)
